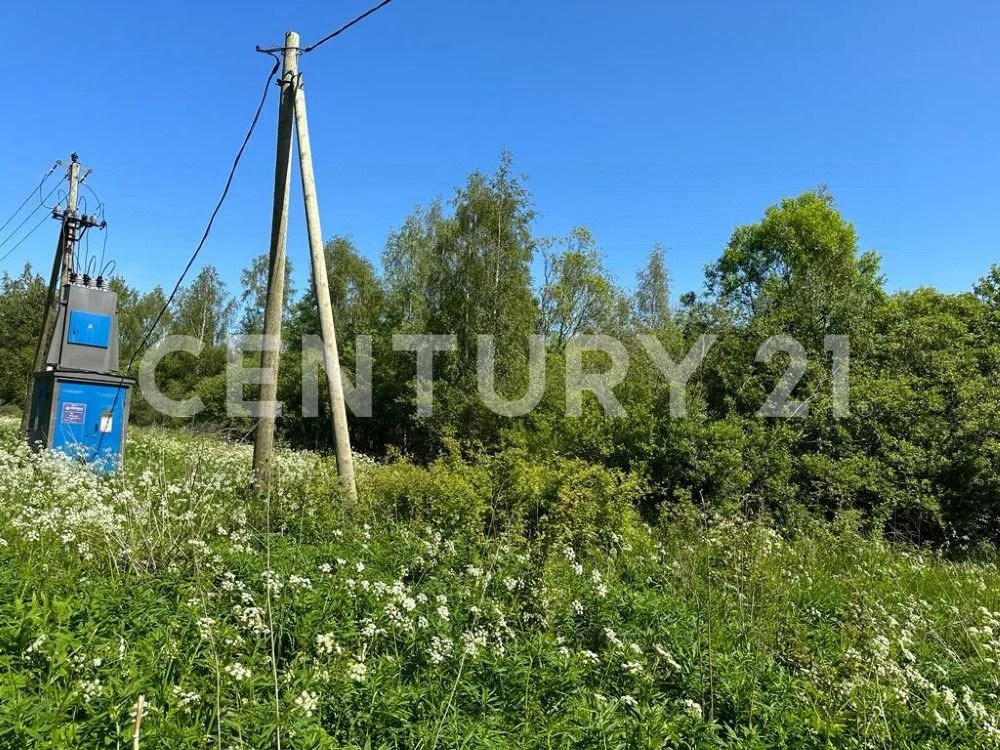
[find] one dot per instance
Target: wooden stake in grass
(140, 704)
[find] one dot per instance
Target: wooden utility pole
(345, 460)
(71, 221)
(263, 447)
(62, 265)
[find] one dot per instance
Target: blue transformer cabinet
(78, 405)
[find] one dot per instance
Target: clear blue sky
(645, 121)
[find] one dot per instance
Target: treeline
(917, 454)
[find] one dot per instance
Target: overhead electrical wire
(18, 243)
(101, 223)
(239, 155)
(332, 34)
(59, 199)
(225, 192)
(211, 219)
(27, 198)
(27, 219)
(104, 246)
(346, 26)
(201, 243)
(100, 203)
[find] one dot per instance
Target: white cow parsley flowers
(357, 671)
(237, 671)
(306, 702)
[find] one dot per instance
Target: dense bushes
(917, 453)
(556, 502)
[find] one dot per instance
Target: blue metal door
(88, 423)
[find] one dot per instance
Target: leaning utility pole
(48, 320)
(345, 459)
(62, 273)
(293, 107)
(263, 446)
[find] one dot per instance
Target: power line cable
(104, 245)
(100, 203)
(197, 250)
(28, 196)
(211, 219)
(18, 243)
(331, 35)
(28, 217)
(346, 26)
(59, 199)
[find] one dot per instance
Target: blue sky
(645, 121)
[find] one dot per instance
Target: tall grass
(491, 602)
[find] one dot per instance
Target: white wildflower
(185, 699)
(205, 625)
(237, 671)
(307, 702)
(692, 707)
(91, 689)
(357, 671)
(35, 645)
(612, 636)
(440, 649)
(325, 644)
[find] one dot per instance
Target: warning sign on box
(73, 413)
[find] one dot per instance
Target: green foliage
(204, 310)
(712, 579)
(564, 501)
(917, 453)
(447, 494)
(576, 295)
(465, 275)
(253, 281)
(21, 301)
(799, 270)
(652, 294)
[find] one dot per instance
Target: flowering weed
(497, 602)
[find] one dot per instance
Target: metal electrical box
(80, 414)
(78, 405)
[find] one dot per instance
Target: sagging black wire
(197, 250)
(346, 26)
(18, 243)
(26, 220)
(302, 50)
(37, 188)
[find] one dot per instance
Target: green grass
(493, 602)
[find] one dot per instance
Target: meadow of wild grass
(477, 602)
